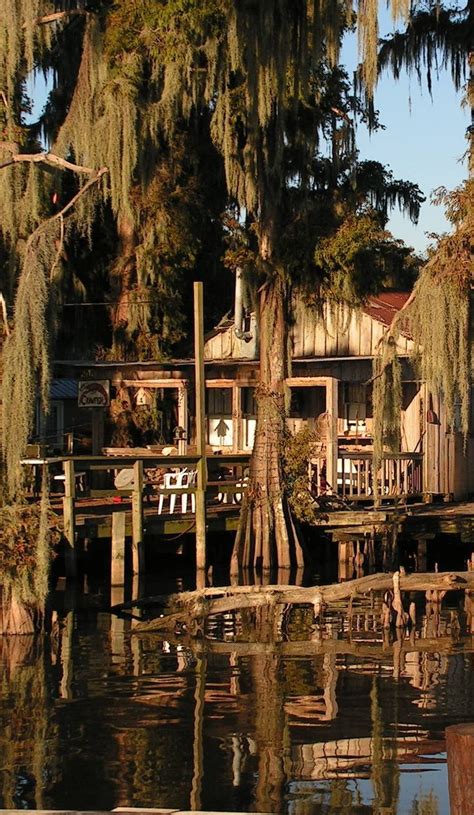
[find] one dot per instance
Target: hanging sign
(94, 393)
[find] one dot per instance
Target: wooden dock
(124, 811)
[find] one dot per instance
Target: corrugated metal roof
(63, 389)
(385, 306)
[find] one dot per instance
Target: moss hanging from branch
(437, 317)
(387, 397)
(26, 353)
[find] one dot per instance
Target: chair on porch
(177, 482)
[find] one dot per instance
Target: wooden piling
(117, 565)
(69, 518)
(200, 431)
(460, 749)
(138, 560)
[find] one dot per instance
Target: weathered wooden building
(331, 393)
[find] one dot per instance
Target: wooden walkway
(124, 811)
(94, 518)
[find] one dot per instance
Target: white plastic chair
(178, 482)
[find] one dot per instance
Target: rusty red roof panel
(383, 307)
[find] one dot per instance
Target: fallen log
(192, 608)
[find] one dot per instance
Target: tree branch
(57, 15)
(39, 158)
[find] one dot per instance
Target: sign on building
(94, 393)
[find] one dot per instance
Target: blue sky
(423, 141)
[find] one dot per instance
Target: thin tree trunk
(122, 280)
(266, 537)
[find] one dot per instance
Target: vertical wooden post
(237, 436)
(421, 554)
(460, 750)
(200, 431)
(332, 392)
(69, 518)
(138, 564)
(183, 408)
(117, 565)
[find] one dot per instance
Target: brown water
(321, 722)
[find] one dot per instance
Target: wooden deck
(94, 517)
(124, 811)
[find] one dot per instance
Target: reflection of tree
(28, 732)
(385, 770)
(270, 727)
(426, 805)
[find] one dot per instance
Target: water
(97, 717)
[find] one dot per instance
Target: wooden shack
(331, 392)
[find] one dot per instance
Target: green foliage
(360, 259)
(297, 451)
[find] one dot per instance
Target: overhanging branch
(56, 16)
(42, 158)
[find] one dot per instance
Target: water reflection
(346, 722)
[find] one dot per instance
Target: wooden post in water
(117, 565)
(138, 560)
(69, 517)
(460, 749)
(200, 435)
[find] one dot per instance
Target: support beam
(69, 517)
(138, 564)
(237, 418)
(332, 401)
(200, 432)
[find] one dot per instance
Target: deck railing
(398, 475)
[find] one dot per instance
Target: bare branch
(39, 158)
(3, 307)
(56, 16)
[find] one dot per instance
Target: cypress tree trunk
(16, 617)
(267, 538)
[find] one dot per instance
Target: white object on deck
(178, 482)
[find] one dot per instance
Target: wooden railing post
(69, 518)
(332, 411)
(138, 560)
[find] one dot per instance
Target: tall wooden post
(332, 392)
(69, 516)
(117, 564)
(460, 750)
(200, 434)
(138, 564)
